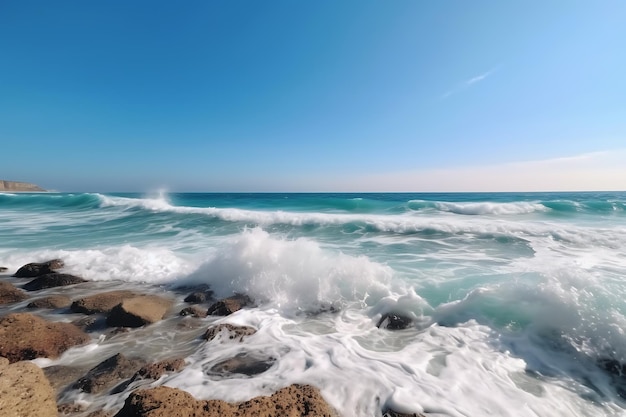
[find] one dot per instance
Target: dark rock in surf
(617, 372)
(391, 413)
(229, 305)
(294, 400)
(100, 303)
(199, 297)
(158, 369)
(108, 373)
(52, 302)
(25, 336)
(37, 269)
(3, 269)
(391, 321)
(9, 293)
(231, 331)
(52, 280)
(244, 363)
(139, 311)
(193, 311)
(61, 376)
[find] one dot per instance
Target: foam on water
(514, 301)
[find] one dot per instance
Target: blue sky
(313, 96)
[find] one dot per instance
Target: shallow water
(514, 297)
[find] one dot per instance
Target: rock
(391, 321)
(52, 280)
(68, 408)
(107, 373)
(244, 363)
(25, 391)
(53, 301)
(9, 293)
(100, 303)
(229, 305)
(90, 323)
(24, 336)
(19, 186)
(37, 269)
(139, 311)
(158, 369)
(292, 401)
(391, 413)
(199, 297)
(193, 311)
(3, 269)
(61, 376)
(233, 332)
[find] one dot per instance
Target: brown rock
(107, 373)
(193, 311)
(101, 303)
(139, 311)
(52, 280)
(158, 369)
(25, 391)
(233, 332)
(292, 401)
(9, 293)
(53, 301)
(229, 305)
(37, 269)
(70, 408)
(25, 336)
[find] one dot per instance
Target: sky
(325, 95)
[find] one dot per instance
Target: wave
(50, 201)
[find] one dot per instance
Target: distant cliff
(19, 186)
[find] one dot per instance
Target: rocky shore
(34, 298)
(16, 186)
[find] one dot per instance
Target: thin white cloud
(469, 82)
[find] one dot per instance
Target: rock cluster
(292, 401)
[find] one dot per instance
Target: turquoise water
(515, 297)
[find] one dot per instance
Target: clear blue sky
(306, 95)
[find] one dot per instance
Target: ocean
(517, 300)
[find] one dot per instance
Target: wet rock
(53, 301)
(3, 269)
(139, 311)
(52, 280)
(107, 373)
(198, 297)
(61, 376)
(391, 413)
(37, 269)
(25, 391)
(193, 311)
(244, 363)
(100, 413)
(229, 305)
(231, 331)
(70, 408)
(101, 303)
(91, 323)
(24, 336)
(393, 321)
(158, 369)
(9, 293)
(292, 401)
(617, 372)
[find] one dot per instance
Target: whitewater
(517, 301)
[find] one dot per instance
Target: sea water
(515, 299)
